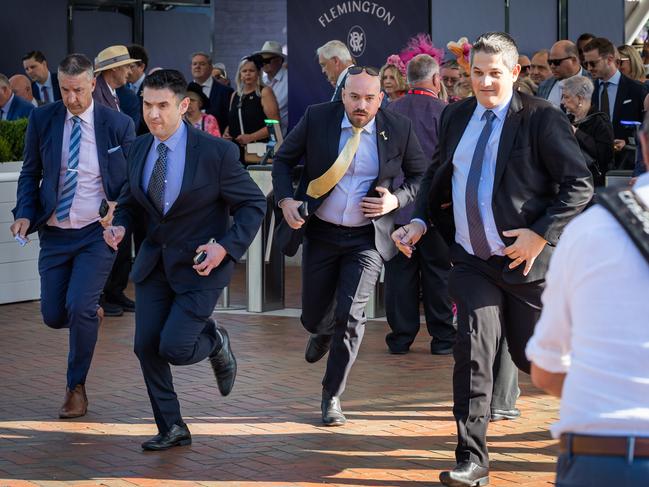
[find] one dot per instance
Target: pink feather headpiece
(421, 44)
(395, 60)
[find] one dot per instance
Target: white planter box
(19, 279)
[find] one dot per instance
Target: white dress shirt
(89, 191)
(279, 84)
(461, 166)
(207, 86)
(343, 205)
(6, 107)
(595, 326)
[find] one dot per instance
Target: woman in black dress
(250, 105)
(592, 128)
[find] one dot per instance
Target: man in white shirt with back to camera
(598, 281)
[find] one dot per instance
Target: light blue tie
(70, 182)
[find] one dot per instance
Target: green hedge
(12, 139)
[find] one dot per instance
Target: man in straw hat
(276, 76)
(112, 67)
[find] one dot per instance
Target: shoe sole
(336, 423)
(458, 483)
(72, 416)
(180, 443)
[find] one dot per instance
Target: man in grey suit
(564, 63)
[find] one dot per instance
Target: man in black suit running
(352, 153)
(507, 177)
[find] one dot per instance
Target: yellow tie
(322, 185)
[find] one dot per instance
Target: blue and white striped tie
(70, 182)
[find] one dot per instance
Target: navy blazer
(102, 94)
(38, 185)
(215, 185)
(130, 104)
(220, 103)
(19, 108)
(55, 88)
(316, 138)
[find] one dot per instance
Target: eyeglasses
(525, 69)
(359, 69)
(556, 62)
(591, 64)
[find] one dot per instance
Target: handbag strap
(631, 213)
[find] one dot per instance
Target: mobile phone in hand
(202, 255)
(103, 208)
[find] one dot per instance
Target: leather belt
(621, 446)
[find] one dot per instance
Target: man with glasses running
(352, 151)
(564, 64)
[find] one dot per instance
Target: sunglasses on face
(526, 69)
(359, 69)
(556, 62)
(591, 64)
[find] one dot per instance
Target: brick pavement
(266, 433)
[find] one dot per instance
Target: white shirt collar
(342, 75)
(88, 116)
(7, 106)
(208, 83)
(369, 128)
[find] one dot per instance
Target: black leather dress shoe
(317, 347)
(176, 436)
(502, 414)
(441, 348)
(465, 474)
(224, 364)
(122, 300)
(110, 309)
(332, 414)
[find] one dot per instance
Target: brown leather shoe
(75, 403)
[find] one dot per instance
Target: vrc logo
(356, 40)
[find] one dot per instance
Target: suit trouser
(427, 270)
(340, 266)
(488, 308)
(73, 265)
(170, 329)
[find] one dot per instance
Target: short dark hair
(76, 64)
(584, 36)
(603, 46)
(171, 79)
(138, 52)
(38, 56)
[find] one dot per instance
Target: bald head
(564, 59)
(21, 86)
(362, 97)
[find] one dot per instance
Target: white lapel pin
(382, 134)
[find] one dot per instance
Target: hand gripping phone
(202, 255)
(103, 208)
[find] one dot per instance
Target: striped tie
(70, 182)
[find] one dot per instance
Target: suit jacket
(19, 108)
(130, 104)
(38, 184)
(102, 94)
(215, 185)
(55, 87)
(541, 180)
(629, 105)
(220, 103)
(316, 138)
(545, 87)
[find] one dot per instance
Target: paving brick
(266, 433)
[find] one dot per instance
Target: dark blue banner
(372, 31)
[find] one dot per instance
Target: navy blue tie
(158, 181)
(477, 233)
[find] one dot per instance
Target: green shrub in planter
(12, 139)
